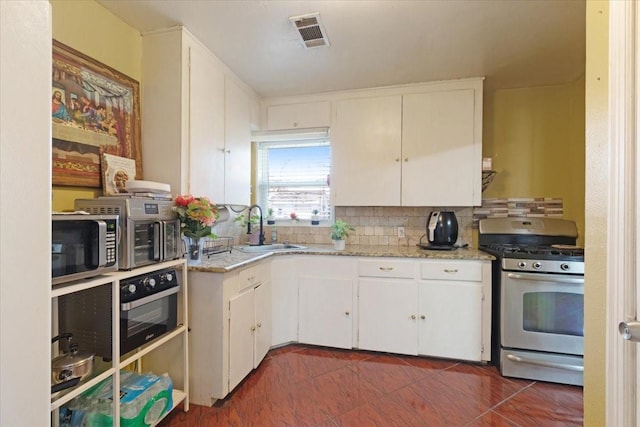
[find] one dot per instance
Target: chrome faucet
(261, 235)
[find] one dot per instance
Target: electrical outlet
(401, 232)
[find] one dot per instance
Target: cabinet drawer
(253, 275)
(451, 270)
(386, 268)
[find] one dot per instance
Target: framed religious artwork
(95, 110)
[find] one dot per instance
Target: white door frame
(622, 227)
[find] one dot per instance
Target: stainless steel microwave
(82, 246)
(150, 228)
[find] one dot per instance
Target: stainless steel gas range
(538, 298)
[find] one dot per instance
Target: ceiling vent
(311, 31)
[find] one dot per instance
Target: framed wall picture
(95, 110)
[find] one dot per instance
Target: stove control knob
(131, 288)
(564, 267)
(149, 282)
(166, 277)
(522, 264)
(537, 265)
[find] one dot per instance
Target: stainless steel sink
(270, 247)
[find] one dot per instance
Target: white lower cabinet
(388, 309)
(431, 308)
(396, 305)
(284, 297)
(230, 322)
(326, 311)
(249, 331)
(449, 320)
(326, 301)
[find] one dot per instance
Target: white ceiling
(513, 43)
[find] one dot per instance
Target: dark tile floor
(301, 385)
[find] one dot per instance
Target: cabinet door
(388, 311)
(262, 322)
(326, 311)
(441, 160)
(206, 126)
(284, 301)
(237, 146)
(365, 147)
(241, 336)
(299, 116)
(450, 319)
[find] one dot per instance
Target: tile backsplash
(374, 226)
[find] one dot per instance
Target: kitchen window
(293, 176)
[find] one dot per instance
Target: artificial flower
(197, 215)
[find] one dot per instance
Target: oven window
(147, 316)
(553, 313)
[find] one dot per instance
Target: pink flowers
(197, 215)
(293, 215)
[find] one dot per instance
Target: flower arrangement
(197, 215)
(293, 216)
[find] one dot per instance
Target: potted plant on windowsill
(270, 218)
(339, 232)
(315, 218)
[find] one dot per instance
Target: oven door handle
(538, 277)
(157, 240)
(519, 359)
(151, 298)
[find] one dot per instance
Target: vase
(338, 245)
(194, 250)
(254, 238)
(315, 220)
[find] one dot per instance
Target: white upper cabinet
(420, 146)
(441, 161)
(206, 125)
(196, 120)
(299, 116)
(237, 146)
(366, 137)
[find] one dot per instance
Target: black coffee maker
(442, 230)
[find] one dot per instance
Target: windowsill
(298, 223)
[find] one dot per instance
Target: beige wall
(597, 160)
(91, 29)
(535, 136)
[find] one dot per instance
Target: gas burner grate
(543, 252)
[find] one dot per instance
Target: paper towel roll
(223, 214)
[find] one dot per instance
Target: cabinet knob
(295, 124)
(259, 325)
(386, 268)
(397, 159)
(253, 328)
(406, 159)
(448, 270)
(423, 316)
(413, 317)
(346, 313)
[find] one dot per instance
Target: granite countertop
(228, 261)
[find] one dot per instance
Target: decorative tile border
(519, 207)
